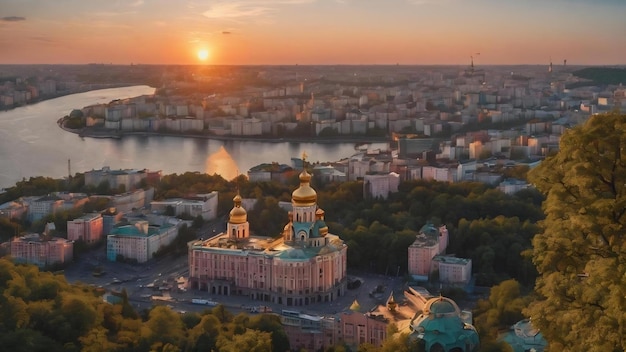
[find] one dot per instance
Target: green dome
(442, 307)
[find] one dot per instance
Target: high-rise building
(305, 265)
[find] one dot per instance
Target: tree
(580, 254)
(164, 326)
(251, 340)
(502, 309)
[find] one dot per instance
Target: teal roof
(132, 231)
(302, 226)
(317, 225)
(430, 230)
(451, 260)
(311, 228)
(441, 307)
(441, 324)
(300, 254)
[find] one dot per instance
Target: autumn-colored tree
(581, 253)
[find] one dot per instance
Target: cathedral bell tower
(238, 227)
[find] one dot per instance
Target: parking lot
(161, 277)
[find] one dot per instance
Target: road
(141, 281)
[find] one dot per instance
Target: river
(32, 144)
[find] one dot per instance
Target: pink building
(358, 328)
(306, 265)
(430, 242)
(41, 251)
(316, 333)
(309, 332)
(13, 210)
(87, 228)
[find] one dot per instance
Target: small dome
(304, 195)
(441, 305)
(238, 214)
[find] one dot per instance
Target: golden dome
(304, 195)
(238, 214)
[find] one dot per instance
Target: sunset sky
(249, 32)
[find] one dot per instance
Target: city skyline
(286, 32)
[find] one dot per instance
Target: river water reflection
(31, 144)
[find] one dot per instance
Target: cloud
(226, 32)
(12, 19)
(248, 8)
(43, 39)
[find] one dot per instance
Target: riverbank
(88, 88)
(94, 132)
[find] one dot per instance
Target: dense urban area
(491, 222)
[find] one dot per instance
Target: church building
(306, 265)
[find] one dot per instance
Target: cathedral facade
(306, 265)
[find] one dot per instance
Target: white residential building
(380, 185)
(204, 205)
(453, 270)
(139, 241)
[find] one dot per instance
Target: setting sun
(203, 54)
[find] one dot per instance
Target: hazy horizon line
(305, 65)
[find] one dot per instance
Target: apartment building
(204, 205)
(139, 240)
(41, 250)
(430, 242)
(380, 185)
(87, 228)
(453, 270)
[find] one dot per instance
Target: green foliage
(580, 253)
(40, 311)
(602, 75)
(9, 229)
(178, 247)
(74, 122)
(502, 309)
(328, 132)
(495, 246)
(486, 225)
(271, 323)
(267, 218)
(34, 186)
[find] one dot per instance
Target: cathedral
(305, 265)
